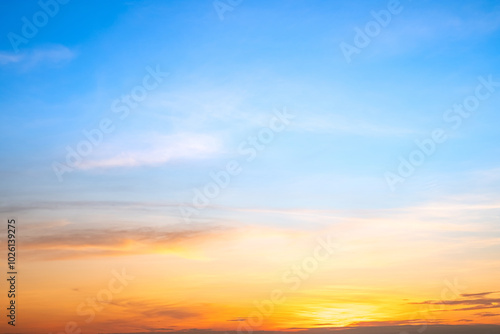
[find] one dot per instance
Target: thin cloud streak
(88, 243)
(158, 150)
(52, 54)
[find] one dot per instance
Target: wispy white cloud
(346, 125)
(198, 107)
(203, 106)
(157, 150)
(54, 54)
(67, 242)
(7, 58)
(409, 33)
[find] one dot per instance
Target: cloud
(54, 54)
(469, 300)
(487, 314)
(386, 328)
(480, 307)
(156, 150)
(395, 323)
(7, 58)
(46, 225)
(481, 294)
(158, 310)
(441, 26)
(347, 125)
(85, 205)
(86, 243)
(167, 311)
(171, 313)
(205, 104)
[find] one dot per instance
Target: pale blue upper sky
(226, 78)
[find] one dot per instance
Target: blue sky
(226, 77)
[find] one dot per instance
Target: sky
(241, 166)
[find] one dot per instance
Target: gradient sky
(425, 252)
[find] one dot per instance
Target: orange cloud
(70, 243)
